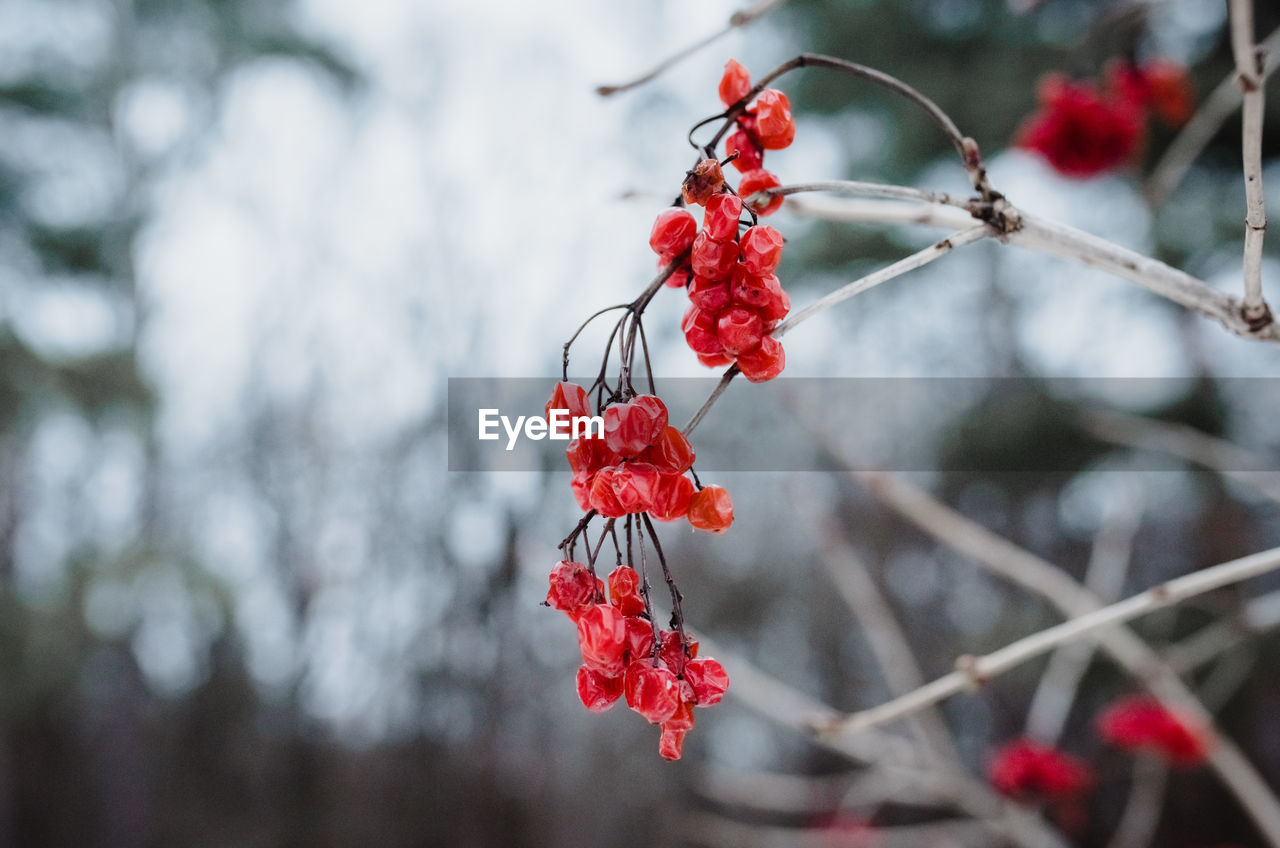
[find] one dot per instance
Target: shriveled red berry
(673, 232)
(755, 181)
(571, 397)
(639, 638)
(651, 691)
(589, 454)
(775, 128)
(635, 485)
(671, 743)
(750, 154)
(711, 509)
(715, 360)
(681, 719)
(739, 329)
(708, 678)
(709, 295)
(720, 220)
(699, 327)
(572, 588)
(581, 485)
(712, 259)
(603, 496)
(765, 362)
(624, 590)
(673, 652)
(671, 498)
(1028, 769)
(602, 636)
(679, 277)
(671, 453)
(596, 691)
(760, 250)
(735, 84)
(702, 183)
(632, 426)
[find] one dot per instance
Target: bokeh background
(243, 245)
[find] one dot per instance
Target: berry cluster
(1140, 723)
(624, 654)
(1086, 128)
(765, 124)
(638, 465)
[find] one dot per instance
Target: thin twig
(972, 672)
(1141, 814)
(1249, 73)
(1191, 141)
(737, 20)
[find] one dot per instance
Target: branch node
(1257, 316)
(968, 667)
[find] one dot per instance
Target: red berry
(581, 485)
(709, 295)
(750, 154)
(572, 588)
(775, 128)
(720, 220)
(1142, 723)
(682, 719)
(671, 453)
(765, 362)
(714, 360)
(1171, 94)
(651, 691)
(596, 691)
(763, 293)
(702, 183)
(624, 590)
(712, 259)
(589, 454)
(639, 638)
(735, 84)
(699, 327)
(760, 250)
(679, 277)
(739, 329)
(604, 496)
(671, 743)
(711, 509)
(672, 652)
(672, 497)
(759, 180)
(571, 397)
(709, 680)
(634, 484)
(1025, 768)
(632, 426)
(672, 232)
(602, 636)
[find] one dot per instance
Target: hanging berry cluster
(639, 469)
(736, 299)
(1085, 128)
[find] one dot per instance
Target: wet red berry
(775, 128)
(671, 453)
(596, 691)
(708, 678)
(624, 590)
(735, 84)
(581, 486)
(651, 691)
(750, 154)
(603, 495)
(572, 588)
(671, 498)
(671, 743)
(699, 327)
(673, 232)
(760, 250)
(589, 454)
(702, 183)
(639, 638)
(673, 652)
(765, 362)
(711, 509)
(634, 485)
(569, 396)
(632, 426)
(715, 360)
(720, 220)
(760, 180)
(712, 259)
(602, 636)
(681, 719)
(739, 329)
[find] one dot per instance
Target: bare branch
(1146, 798)
(1252, 85)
